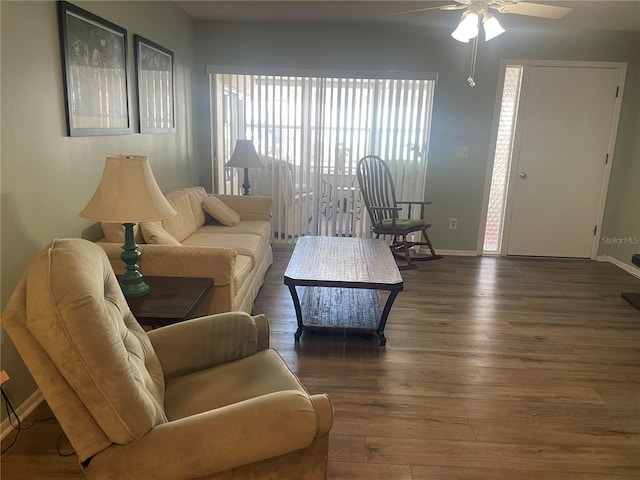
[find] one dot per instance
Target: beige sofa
(193, 244)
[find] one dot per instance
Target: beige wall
(462, 115)
(47, 177)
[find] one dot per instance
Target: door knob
(523, 175)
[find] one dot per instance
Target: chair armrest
(249, 207)
(207, 341)
(217, 263)
(413, 203)
(410, 203)
(218, 440)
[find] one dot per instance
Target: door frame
(527, 64)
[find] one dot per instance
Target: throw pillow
(220, 211)
(154, 233)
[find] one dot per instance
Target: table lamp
(245, 156)
(128, 194)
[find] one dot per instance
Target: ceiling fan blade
(454, 6)
(535, 10)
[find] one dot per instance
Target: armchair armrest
(207, 341)
(262, 324)
(222, 439)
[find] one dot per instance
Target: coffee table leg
(296, 305)
(385, 315)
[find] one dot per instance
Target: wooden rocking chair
(378, 193)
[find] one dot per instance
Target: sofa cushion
(154, 233)
(244, 244)
(253, 227)
(196, 195)
(82, 320)
(250, 207)
(183, 224)
(229, 383)
(220, 211)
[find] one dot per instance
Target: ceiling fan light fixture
(467, 28)
(492, 27)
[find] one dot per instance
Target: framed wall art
(154, 74)
(94, 58)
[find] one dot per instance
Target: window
(310, 130)
(502, 159)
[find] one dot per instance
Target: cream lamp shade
(245, 156)
(128, 194)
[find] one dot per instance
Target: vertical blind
(310, 129)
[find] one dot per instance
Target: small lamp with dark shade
(245, 156)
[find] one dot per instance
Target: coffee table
(334, 284)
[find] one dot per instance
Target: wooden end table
(170, 300)
(339, 279)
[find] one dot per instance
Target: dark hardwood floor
(494, 368)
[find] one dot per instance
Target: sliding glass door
(310, 129)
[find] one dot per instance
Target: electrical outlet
(453, 223)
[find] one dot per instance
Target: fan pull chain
(472, 71)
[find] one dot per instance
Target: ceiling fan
(476, 10)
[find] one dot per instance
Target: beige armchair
(292, 202)
(205, 398)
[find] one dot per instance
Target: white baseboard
(633, 270)
(28, 406)
(458, 253)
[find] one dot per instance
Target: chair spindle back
(376, 186)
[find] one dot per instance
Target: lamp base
(138, 289)
(131, 282)
(246, 186)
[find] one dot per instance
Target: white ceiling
(589, 14)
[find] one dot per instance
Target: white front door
(565, 129)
